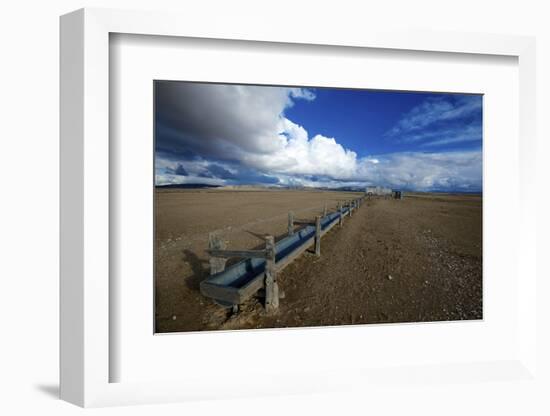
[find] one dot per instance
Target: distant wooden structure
(378, 191)
(381, 191)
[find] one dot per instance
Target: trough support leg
(271, 285)
(318, 236)
(217, 264)
(290, 223)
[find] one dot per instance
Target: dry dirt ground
(412, 260)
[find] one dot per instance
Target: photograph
(280, 206)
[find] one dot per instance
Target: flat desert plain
(412, 260)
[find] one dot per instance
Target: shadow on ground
(51, 390)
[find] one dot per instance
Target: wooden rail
(259, 268)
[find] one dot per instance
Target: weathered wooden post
(290, 223)
(217, 264)
(271, 285)
(341, 211)
(350, 206)
(325, 210)
(318, 236)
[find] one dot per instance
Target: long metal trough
(243, 279)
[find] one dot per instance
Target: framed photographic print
(290, 211)
(237, 166)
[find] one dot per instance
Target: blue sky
(236, 134)
(363, 120)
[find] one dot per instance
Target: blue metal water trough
(242, 280)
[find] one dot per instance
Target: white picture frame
(85, 212)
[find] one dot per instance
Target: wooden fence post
(217, 264)
(317, 236)
(290, 223)
(271, 285)
(341, 210)
(350, 206)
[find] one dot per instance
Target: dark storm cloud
(172, 144)
(218, 171)
(227, 172)
(253, 177)
(180, 171)
(219, 121)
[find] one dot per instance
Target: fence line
(235, 284)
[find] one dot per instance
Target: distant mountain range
(204, 185)
(347, 189)
(186, 186)
(341, 189)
